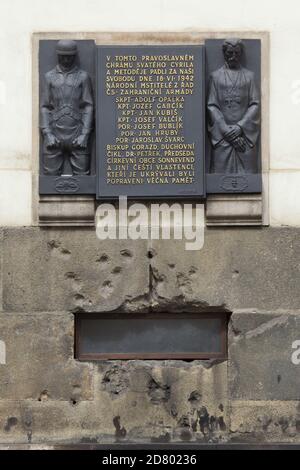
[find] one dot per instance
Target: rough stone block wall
(46, 396)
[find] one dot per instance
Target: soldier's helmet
(66, 47)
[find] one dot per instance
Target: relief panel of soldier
(67, 115)
(233, 107)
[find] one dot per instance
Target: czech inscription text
(150, 126)
(149, 92)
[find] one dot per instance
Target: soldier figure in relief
(233, 115)
(67, 114)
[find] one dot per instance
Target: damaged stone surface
(265, 421)
(167, 402)
(237, 268)
(53, 270)
(40, 362)
(260, 354)
(47, 397)
(58, 270)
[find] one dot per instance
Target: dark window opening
(184, 336)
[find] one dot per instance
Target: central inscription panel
(150, 121)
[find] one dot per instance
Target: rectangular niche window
(158, 336)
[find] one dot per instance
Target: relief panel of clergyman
(233, 107)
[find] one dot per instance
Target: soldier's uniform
(66, 112)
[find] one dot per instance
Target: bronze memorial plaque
(150, 123)
(163, 121)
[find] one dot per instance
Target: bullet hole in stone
(102, 259)
(278, 379)
(126, 254)
(11, 422)
(57, 249)
(235, 274)
(171, 265)
(107, 283)
(116, 381)
(195, 397)
(193, 270)
(70, 275)
(74, 402)
(78, 297)
(107, 289)
(151, 253)
(43, 396)
(53, 244)
(117, 270)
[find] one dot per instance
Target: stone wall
(46, 396)
(47, 275)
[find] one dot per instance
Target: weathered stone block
(133, 402)
(237, 268)
(234, 209)
(260, 355)
(67, 211)
(171, 401)
(265, 421)
(40, 362)
(58, 270)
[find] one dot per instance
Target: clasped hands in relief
(79, 142)
(233, 135)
